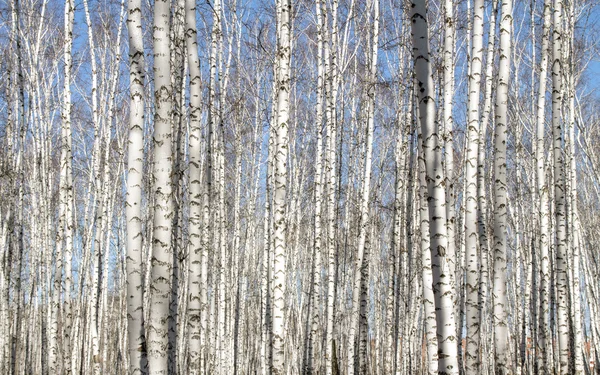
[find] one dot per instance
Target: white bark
(482, 196)
(472, 258)
(313, 357)
(574, 222)
(195, 315)
(544, 363)
(283, 59)
(500, 194)
(331, 178)
(161, 274)
(442, 286)
(448, 123)
(562, 293)
(428, 297)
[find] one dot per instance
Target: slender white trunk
(500, 195)
(544, 363)
(284, 9)
(482, 216)
(448, 123)
(331, 177)
(162, 259)
(313, 357)
(428, 298)
(211, 214)
(18, 182)
(205, 241)
(195, 181)
(218, 83)
(442, 286)
(562, 293)
(472, 259)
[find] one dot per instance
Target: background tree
(204, 227)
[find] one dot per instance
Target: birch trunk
(331, 177)
(284, 9)
(472, 259)
(500, 194)
(544, 363)
(195, 225)
(448, 123)
(313, 357)
(19, 191)
(212, 195)
(428, 295)
(482, 216)
(559, 191)
(159, 334)
(442, 286)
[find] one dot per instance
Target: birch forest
(335, 187)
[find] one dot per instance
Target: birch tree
(543, 331)
(275, 211)
(283, 57)
(500, 193)
(331, 169)
(472, 258)
(135, 316)
(160, 284)
(428, 296)
(559, 190)
(195, 225)
(442, 288)
(313, 357)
